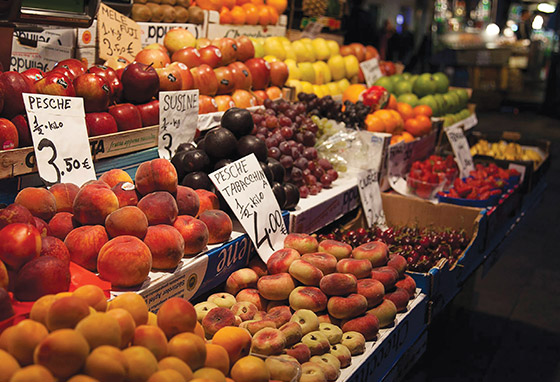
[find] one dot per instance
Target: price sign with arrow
(178, 120)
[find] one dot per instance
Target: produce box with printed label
(217, 30)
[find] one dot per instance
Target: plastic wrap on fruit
(345, 149)
(375, 97)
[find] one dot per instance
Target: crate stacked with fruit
(167, 11)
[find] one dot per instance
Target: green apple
(274, 47)
(396, 78)
(442, 105)
(465, 113)
(386, 82)
(337, 67)
(343, 84)
(293, 70)
(453, 101)
(259, 48)
(402, 87)
(333, 47)
(352, 65)
(431, 102)
(408, 98)
(442, 82)
(424, 85)
(406, 76)
(463, 95)
(321, 49)
(307, 72)
(448, 120)
(413, 79)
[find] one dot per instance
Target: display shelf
(217, 30)
(408, 359)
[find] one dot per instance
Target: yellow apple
(318, 90)
(306, 87)
(337, 67)
(300, 51)
(352, 65)
(307, 71)
(310, 50)
(270, 58)
(321, 49)
(290, 54)
(343, 84)
(333, 47)
(327, 76)
(333, 88)
(296, 85)
(325, 89)
(319, 73)
(293, 70)
(259, 49)
(273, 47)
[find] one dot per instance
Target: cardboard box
(87, 37)
(43, 56)
(217, 30)
(89, 55)
(52, 36)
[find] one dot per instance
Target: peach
(332, 332)
(305, 272)
(195, 234)
(282, 369)
(339, 284)
(260, 315)
(106, 363)
(250, 369)
(210, 373)
(159, 207)
(93, 296)
(63, 352)
(244, 310)
(312, 372)
(9, 365)
(152, 338)
(175, 316)
(156, 175)
(224, 300)
(338, 249)
(93, 203)
(115, 176)
(385, 313)
(268, 341)
(100, 329)
(330, 365)
(386, 275)
(15, 213)
(127, 220)
(276, 287)
(41, 276)
(166, 245)
(152, 319)
(188, 201)
(62, 224)
(19, 243)
(4, 277)
(178, 365)
(399, 263)
(219, 225)
(347, 307)
(253, 296)
(292, 332)
(64, 195)
(301, 242)
(342, 353)
(253, 326)
(359, 268)
(280, 261)
(41, 226)
(367, 325)
(257, 265)
(217, 358)
(126, 323)
(317, 342)
(280, 315)
(22, 339)
(40, 308)
(325, 318)
(216, 319)
(236, 341)
(241, 279)
(141, 363)
(51, 246)
(126, 194)
(372, 290)
(33, 373)
(82, 378)
(354, 341)
(134, 304)
(408, 284)
(374, 251)
(399, 297)
(6, 308)
(168, 375)
(299, 351)
(39, 201)
(208, 201)
(307, 319)
(274, 304)
(308, 298)
(189, 348)
(84, 244)
(202, 309)
(324, 261)
(199, 330)
(125, 261)
(66, 312)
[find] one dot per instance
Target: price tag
(247, 191)
(461, 149)
(370, 194)
(117, 34)
(60, 139)
(371, 71)
(178, 120)
(398, 159)
(313, 28)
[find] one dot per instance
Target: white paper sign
(245, 188)
(371, 71)
(461, 149)
(370, 194)
(60, 139)
(398, 163)
(378, 144)
(178, 120)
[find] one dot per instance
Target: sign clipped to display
(118, 36)
(461, 149)
(370, 195)
(372, 71)
(178, 120)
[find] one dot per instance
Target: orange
(413, 127)
(242, 2)
(226, 16)
(392, 104)
(229, 4)
(211, 5)
(273, 15)
(396, 139)
(407, 136)
(257, 2)
(279, 5)
(398, 120)
(425, 123)
(264, 15)
(374, 124)
(423, 110)
(238, 15)
(392, 119)
(251, 14)
(405, 110)
(352, 93)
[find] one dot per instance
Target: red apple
(228, 47)
(2, 95)
(8, 135)
(169, 78)
(245, 48)
(119, 73)
(156, 45)
(140, 82)
(203, 42)
(241, 75)
(274, 92)
(100, 124)
(149, 112)
(260, 96)
(127, 116)
(76, 67)
(224, 102)
(210, 55)
(19, 243)
(155, 57)
(359, 51)
(24, 133)
(117, 63)
(243, 99)
(189, 56)
(32, 75)
(95, 91)
(55, 83)
(186, 75)
(14, 85)
(260, 71)
(278, 73)
(225, 80)
(111, 77)
(64, 71)
(361, 78)
(206, 104)
(346, 50)
(205, 80)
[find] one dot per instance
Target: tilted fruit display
(506, 150)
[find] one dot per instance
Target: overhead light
(546, 8)
(538, 22)
(508, 32)
(492, 30)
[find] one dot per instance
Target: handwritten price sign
(117, 34)
(461, 149)
(244, 186)
(59, 133)
(370, 194)
(371, 71)
(178, 120)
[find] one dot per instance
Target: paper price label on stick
(178, 120)
(245, 188)
(398, 163)
(461, 149)
(370, 194)
(60, 139)
(117, 34)
(371, 71)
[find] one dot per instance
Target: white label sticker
(178, 120)
(371, 71)
(461, 149)
(245, 188)
(60, 138)
(370, 195)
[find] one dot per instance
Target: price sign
(370, 194)
(178, 120)
(461, 149)
(117, 34)
(244, 186)
(60, 139)
(371, 71)
(398, 163)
